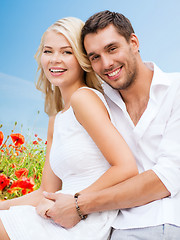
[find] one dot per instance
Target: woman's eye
(46, 51)
(67, 52)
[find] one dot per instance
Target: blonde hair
(70, 27)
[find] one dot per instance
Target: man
(145, 104)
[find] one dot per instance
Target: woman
(84, 151)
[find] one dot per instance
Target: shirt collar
(114, 95)
(160, 79)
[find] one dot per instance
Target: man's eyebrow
(110, 45)
(90, 54)
(106, 47)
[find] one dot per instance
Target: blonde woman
(85, 152)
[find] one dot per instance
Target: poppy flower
(7, 151)
(23, 172)
(4, 181)
(35, 143)
(1, 138)
(13, 165)
(23, 148)
(26, 184)
(36, 177)
(17, 138)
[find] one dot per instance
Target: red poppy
(23, 172)
(36, 177)
(4, 181)
(23, 148)
(7, 151)
(13, 165)
(35, 143)
(17, 138)
(26, 184)
(1, 138)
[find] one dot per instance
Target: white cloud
(20, 101)
(18, 88)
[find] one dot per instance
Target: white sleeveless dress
(74, 158)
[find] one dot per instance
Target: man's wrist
(79, 212)
(88, 202)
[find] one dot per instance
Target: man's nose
(106, 62)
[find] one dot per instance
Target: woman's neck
(68, 92)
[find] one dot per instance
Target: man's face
(112, 57)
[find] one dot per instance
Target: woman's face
(59, 62)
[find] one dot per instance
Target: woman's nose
(55, 58)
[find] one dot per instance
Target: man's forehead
(104, 31)
(100, 40)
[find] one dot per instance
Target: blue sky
(156, 23)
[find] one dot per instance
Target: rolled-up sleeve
(167, 167)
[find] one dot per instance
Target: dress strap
(101, 96)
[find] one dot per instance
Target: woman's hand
(4, 204)
(64, 210)
(43, 207)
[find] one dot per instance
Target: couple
(90, 172)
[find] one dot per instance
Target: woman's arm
(92, 114)
(136, 191)
(50, 182)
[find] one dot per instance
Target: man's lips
(114, 74)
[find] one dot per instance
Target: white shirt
(155, 143)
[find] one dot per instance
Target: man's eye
(94, 58)
(112, 49)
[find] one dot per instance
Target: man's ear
(134, 42)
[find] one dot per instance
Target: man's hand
(63, 212)
(43, 207)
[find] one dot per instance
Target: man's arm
(136, 191)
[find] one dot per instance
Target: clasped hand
(60, 208)
(43, 207)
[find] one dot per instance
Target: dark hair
(102, 19)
